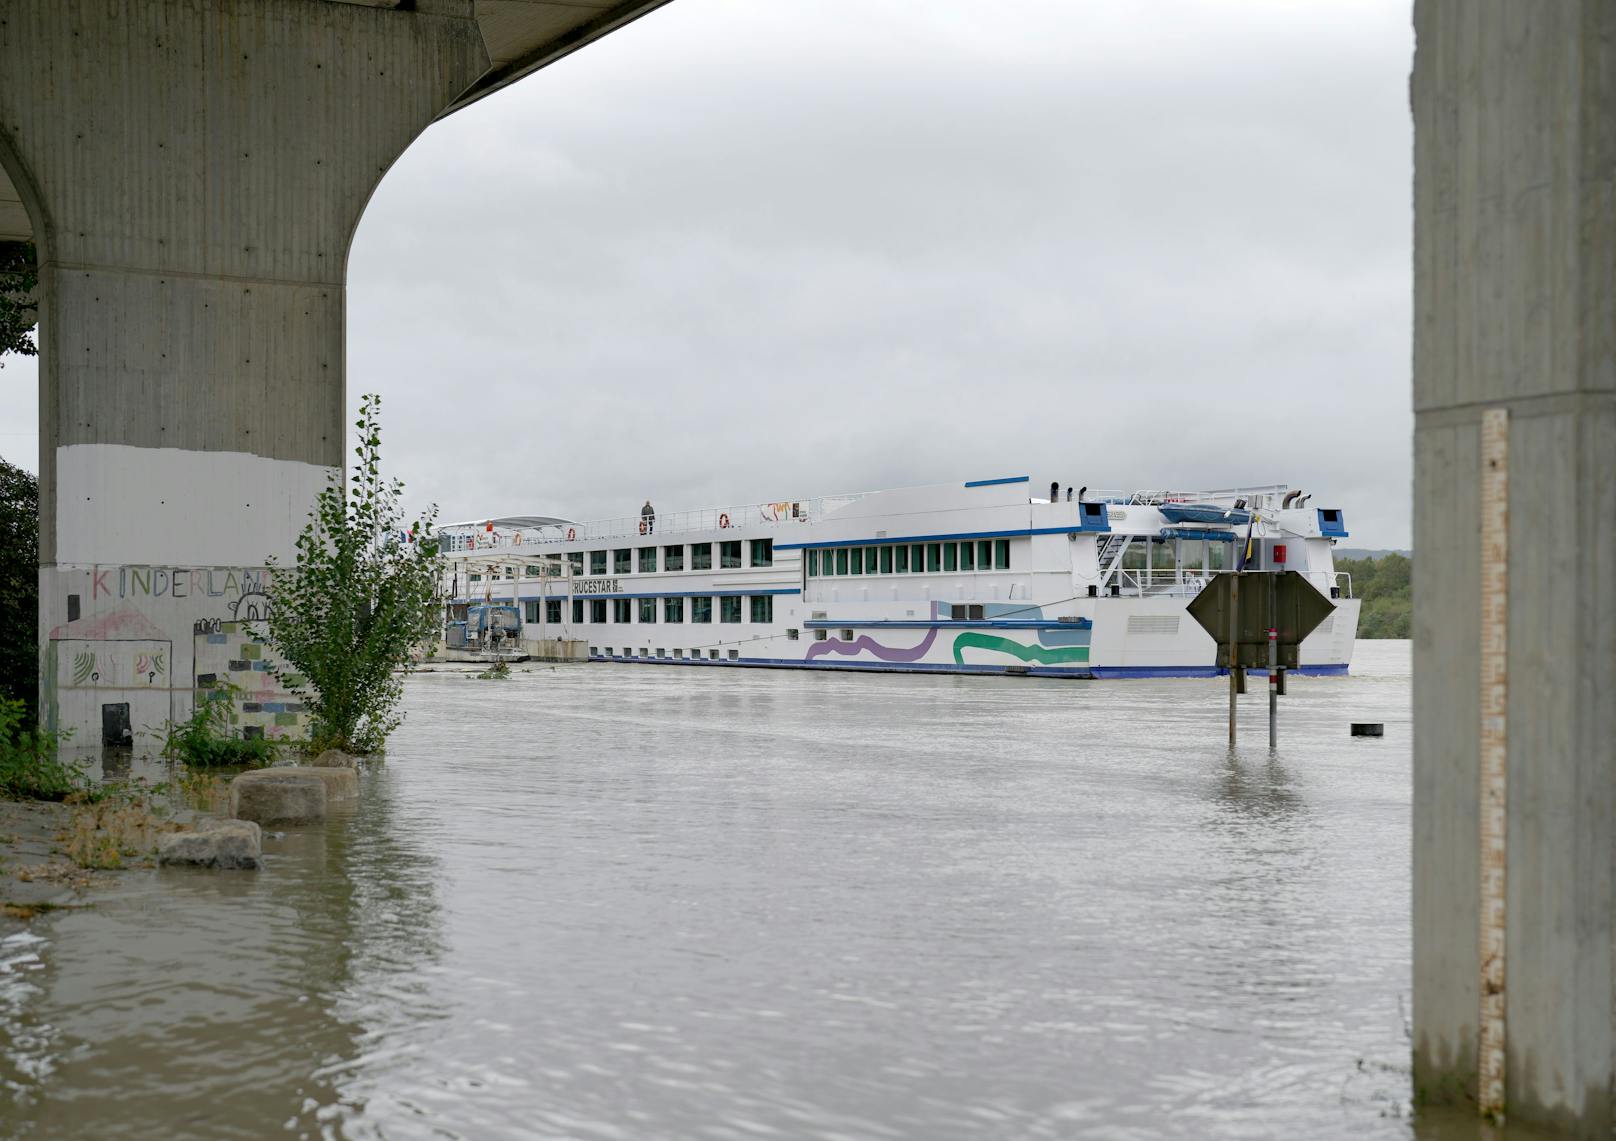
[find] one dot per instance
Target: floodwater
(652, 902)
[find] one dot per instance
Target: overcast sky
(755, 250)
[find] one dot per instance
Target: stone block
(279, 796)
(341, 782)
(214, 844)
(335, 759)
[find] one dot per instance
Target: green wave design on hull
(1043, 655)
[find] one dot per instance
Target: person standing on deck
(648, 517)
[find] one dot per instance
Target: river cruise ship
(982, 576)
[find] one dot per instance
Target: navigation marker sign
(1259, 619)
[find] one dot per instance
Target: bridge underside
(191, 172)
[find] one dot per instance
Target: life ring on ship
(642, 526)
(723, 519)
(572, 532)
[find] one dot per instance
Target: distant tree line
(1385, 587)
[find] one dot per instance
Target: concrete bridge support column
(1515, 307)
(194, 171)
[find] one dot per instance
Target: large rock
(335, 759)
(293, 795)
(341, 783)
(214, 844)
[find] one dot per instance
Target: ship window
(661, 652)
(763, 608)
(609, 652)
(597, 562)
(678, 653)
(673, 558)
(597, 611)
(729, 554)
(734, 654)
(847, 635)
(701, 556)
(701, 609)
(476, 578)
(917, 557)
(1001, 554)
(578, 610)
(813, 563)
(763, 552)
(575, 562)
(713, 654)
(855, 560)
(622, 560)
(552, 611)
(729, 608)
(934, 557)
(510, 572)
(841, 560)
(647, 610)
(886, 560)
(967, 552)
(792, 635)
(821, 635)
(950, 553)
(673, 609)
(530, 611)
(622, 610)
(594, 651)
(531, 571)
(902, 556)
(647, 560)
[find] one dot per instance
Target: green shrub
(209, 740)
(29, 769)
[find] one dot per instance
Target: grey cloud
(752, 249)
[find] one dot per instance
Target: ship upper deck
(534, 532)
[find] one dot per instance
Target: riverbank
(58, 856)
(36, 876)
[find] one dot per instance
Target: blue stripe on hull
(1091, 672)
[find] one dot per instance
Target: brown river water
(614, 902)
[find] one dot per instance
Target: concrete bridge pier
(1515, 308)
(193, 172)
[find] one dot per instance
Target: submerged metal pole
(1494, 831)
(1273, 684)
(1234, 651)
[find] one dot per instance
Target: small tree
(359, 599)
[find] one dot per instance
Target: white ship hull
(975, 578)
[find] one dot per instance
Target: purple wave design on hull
(864, 642)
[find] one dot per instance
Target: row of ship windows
(760, 608)
(911, 558)
(648, 560)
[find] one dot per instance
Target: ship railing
(780, 513)
(1161, 582)
(1260, 497)
(1342, 581)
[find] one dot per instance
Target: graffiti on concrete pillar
(127, 644)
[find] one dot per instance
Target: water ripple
(623, 903)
